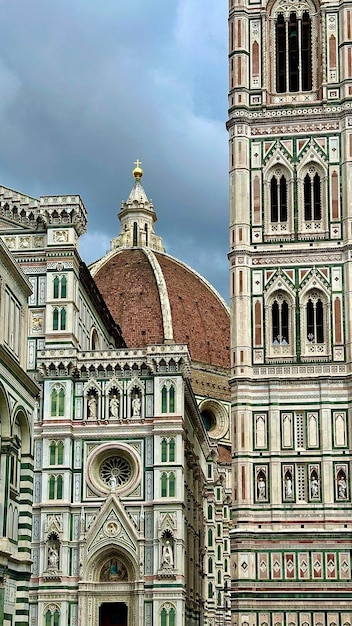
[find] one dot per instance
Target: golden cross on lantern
(138, 163)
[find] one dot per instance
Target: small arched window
(278, 198)
(168, 398)
(59, 486)
(55, 319)
(164, 400)
(172, 450)
(59, 318)
(135, 234)
(172, 485)
(312, 197)
(58, 402)
(63, 319)
(164, 451)
(52, 449)
(56, 487)
(172, 399)
(63, 287)
(52, 617)
(167, 617)
(52, 484)
(164, 485)
(315, 320)
(167, 450)
(56, 287)
(280, 321)
(56, 452)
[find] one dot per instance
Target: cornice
(271, 114)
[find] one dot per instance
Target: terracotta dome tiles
(128, 285)
(199, 317)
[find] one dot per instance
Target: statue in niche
(167, 556)
(92, 406)
(288, 489)
(113, 570)
(114, 405)
(261, 487)
(342, 487)
(53, 558)
(314, 487)
(136, 406)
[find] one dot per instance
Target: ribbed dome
(155, 299)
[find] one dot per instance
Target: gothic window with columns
(168, 398)
(312, 198)
(293, 52)
(168, 616)
(167, 450)
(278, 194)
(315, 328)
(59, 319)
(168, 485)
(57, 401)
(315, 320)
(280, 317)
(52, 616)
(56, 452)
(293, 29)
(59, 287)
(278, 198)
(55, 487)
(56, 283)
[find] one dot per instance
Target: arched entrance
(110, 593)
(113, 614)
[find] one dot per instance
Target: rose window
(115, 468)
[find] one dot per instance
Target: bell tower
(290, 151)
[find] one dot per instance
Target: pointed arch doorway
(113, 614)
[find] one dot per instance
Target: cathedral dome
(157, 299)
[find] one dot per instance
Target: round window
(215, 418)
(115, 468)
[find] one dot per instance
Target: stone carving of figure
(167, 557)
(92, 406)
(113, 483)
(314, 487)
(261, 488)
(288, 487)
(53, 558)
(342, 487)
(114, 406)
(136, 407)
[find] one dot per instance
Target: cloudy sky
(89, 86)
